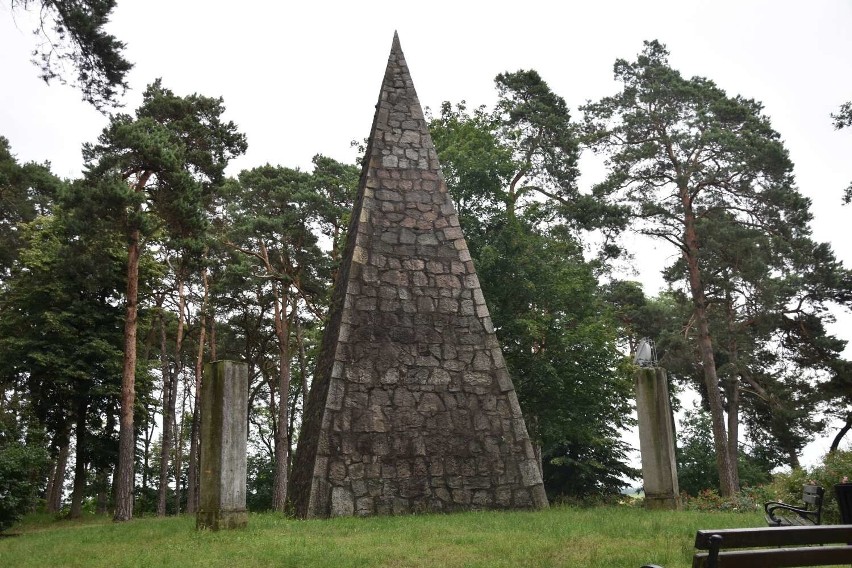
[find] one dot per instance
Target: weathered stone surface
(412, 408)
(222, 487)
(656, 439)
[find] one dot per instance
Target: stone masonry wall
(412, 407)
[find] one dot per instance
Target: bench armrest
(773, 506)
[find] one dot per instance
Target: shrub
(787, 486)
(21, 473)
(261, 472)
(748, 500)
(696, 457)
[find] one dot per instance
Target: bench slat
(776, 536)
(780, 557)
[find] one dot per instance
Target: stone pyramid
(412, 408)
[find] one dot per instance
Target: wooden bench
(772, 547)
(782, 514)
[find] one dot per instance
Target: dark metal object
(843, 491)
(812, 496)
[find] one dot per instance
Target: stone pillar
(656, 439)
(224, 407)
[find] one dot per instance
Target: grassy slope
(599, 537)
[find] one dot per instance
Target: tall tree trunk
(711, 381)
(80, 462)
(150, 427)
(178, 371)
(171, 373)
(213, 338)
(57, 481)
(282, 332)
(126, 437)
(733, 391)
(150, 423)
(102, 477)
(303, 384)
(835, 444)
(303, 355)
(192, 474)
(48, 489)
(168, 414)
(178, 460)
(179, 445)
(102, 499)
(793, 459)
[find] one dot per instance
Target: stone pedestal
(656, 439)
(222, 484)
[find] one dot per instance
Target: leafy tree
(475, 163)
(512, 172)
(571, 381)
(843, 119)
(767, 307)
(696, 467)
(59, 345)
(536, 126)
(260, 476)
(639, 316)
(335, 184)
(767, 303)
(60, 342)
(273, 212)
(771, 298)
(156, 171)
(23, 464)
(26, 191)
(680, 151)
(72, 32)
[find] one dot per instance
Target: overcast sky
(301, 78)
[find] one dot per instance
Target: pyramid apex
(395, 45)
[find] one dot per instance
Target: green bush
(748, 500)
(696, 458)
(21, 472)
(787, 486)
(261, 472)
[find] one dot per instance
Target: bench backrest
(812, 495)
(725, 547)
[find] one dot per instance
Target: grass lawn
(622, 537)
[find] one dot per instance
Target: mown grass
(560, 536)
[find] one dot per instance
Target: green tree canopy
(26, 191)
(155, 171)
(72, 32)
(843, 119)
(680, 153)
(512, 172)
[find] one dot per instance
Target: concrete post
(224, 407)
(656, 439)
